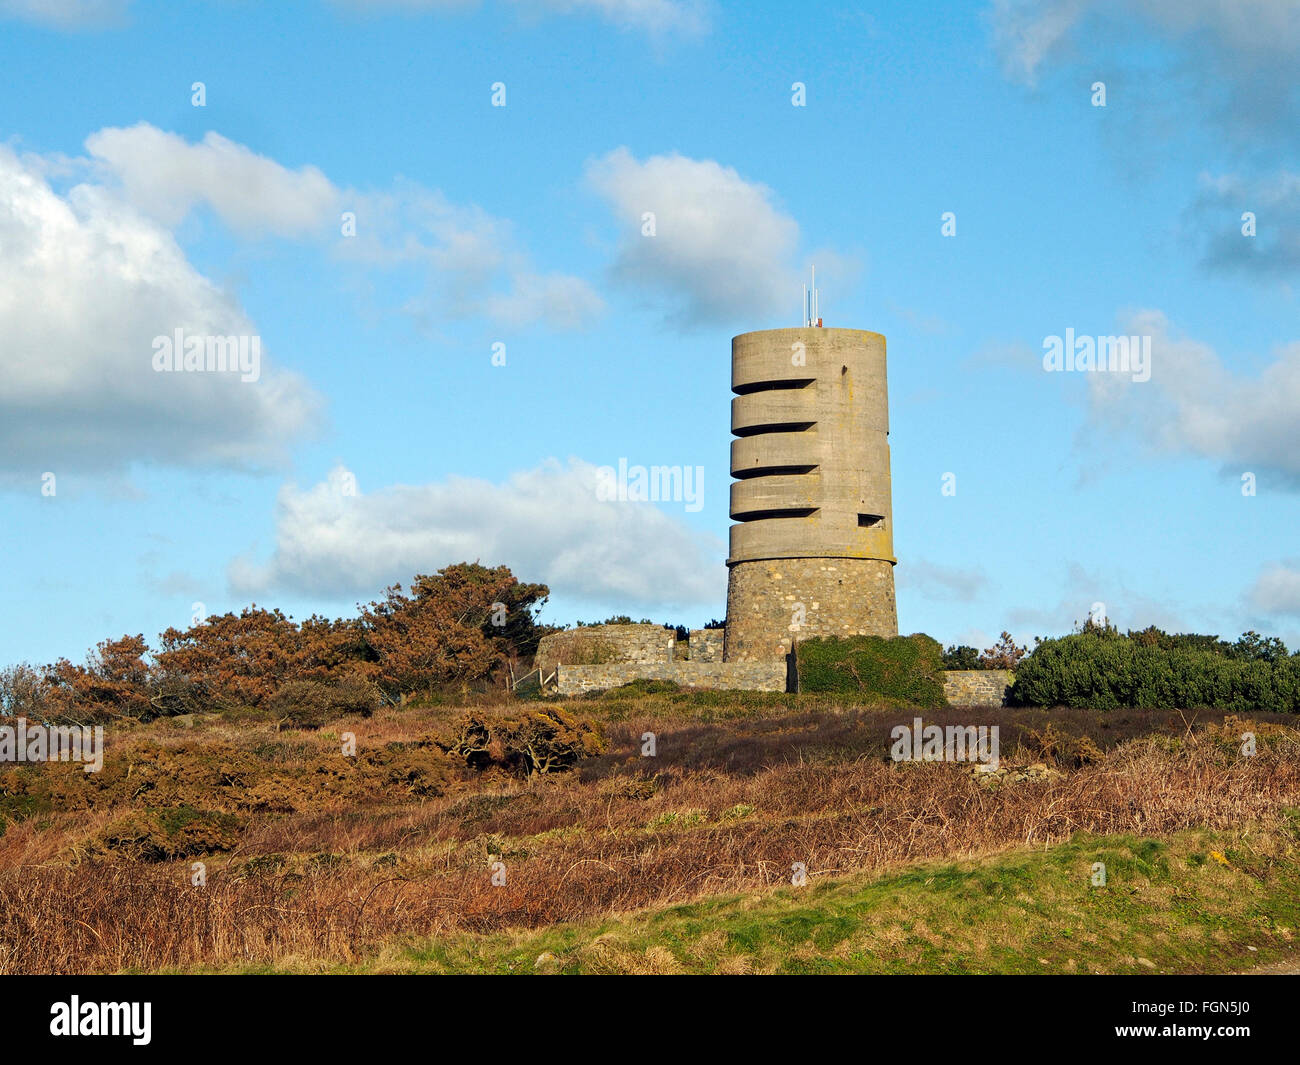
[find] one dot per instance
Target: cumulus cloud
(91, 275)
(720, 245)
(166, 176)
(1193, 404)
(86, 284)
(1277, 590)
(469, 262)
(1274, 250)
(547, 524)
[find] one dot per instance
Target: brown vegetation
(324, 859)
(458, 628)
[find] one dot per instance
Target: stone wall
(706, 645)
(746, 676)
(839, 596)
(976, 687)
(602, 644)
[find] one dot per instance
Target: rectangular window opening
(772, 386)
(772, 471)
(768, 515)
(774, 427)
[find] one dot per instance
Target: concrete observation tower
(812, 549)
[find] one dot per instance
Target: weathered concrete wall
(811, 460)
(977, 687)
(706, 645)
(811, 497)
(747, 676)
(601, 644)
(839, 597)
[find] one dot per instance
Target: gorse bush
(1251, 647)
(465, 625)
(548, 740)
(1104, 670)
(312, 703)
(907, 668)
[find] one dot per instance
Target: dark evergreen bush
(1105, 670)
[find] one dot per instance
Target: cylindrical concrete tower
(812, 553)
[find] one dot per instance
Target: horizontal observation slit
(773, 427)
(771, 386)
(764, 515)
(771, 471)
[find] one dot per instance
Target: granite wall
(977, 687)
(745, 676)
(603, 644)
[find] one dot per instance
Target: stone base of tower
(772, 602)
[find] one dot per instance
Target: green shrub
(961, 656)
(907, 668)
(1105, 671)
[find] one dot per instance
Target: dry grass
(331, 862)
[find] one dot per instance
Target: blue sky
(127, 212)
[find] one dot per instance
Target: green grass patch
(1164, 908)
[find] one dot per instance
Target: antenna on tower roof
(811, 303)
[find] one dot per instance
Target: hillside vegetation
(316, 860)
(368, 794)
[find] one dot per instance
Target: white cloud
(546, 524)
(1275, 201)
(1195, 405)
(1277, 590)
(721, 247)
(86, 284)
(165, 176)
(656, 17)
(561, 301)
(1228, 63)
(686, 17)
(470, 262)
(1027, 32)
(1181, 75)
(66, 14)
